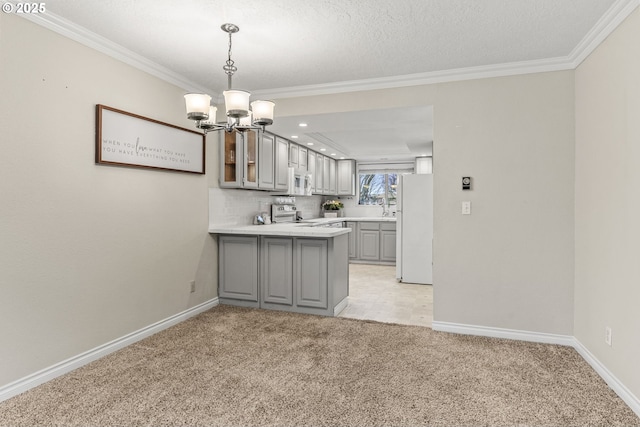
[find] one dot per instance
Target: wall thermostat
(466, 183)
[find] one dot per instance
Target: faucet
(383, 202)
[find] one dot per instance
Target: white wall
(607, 279)
(88, 253)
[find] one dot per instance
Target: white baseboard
(13, 389)
(341, 306)
(623, 392)
(513, 334)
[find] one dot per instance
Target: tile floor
(374, 294)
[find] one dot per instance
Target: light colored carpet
(234, 366)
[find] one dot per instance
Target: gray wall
(510, 263)
(88, 253)
(607, 280)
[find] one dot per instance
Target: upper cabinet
(282, 164)
(333, 189)
(297, 156)
(319, 177)
(261, 160)
(293, 155)
(238, 159)
(346, 178)
(311, 168)
(302, 158)
(266, 161)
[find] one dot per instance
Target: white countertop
(307, 228)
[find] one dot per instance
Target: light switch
(466, 208)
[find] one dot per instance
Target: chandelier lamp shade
(241, 114)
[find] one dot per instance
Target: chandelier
(239, 116)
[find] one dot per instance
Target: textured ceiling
(285, 44)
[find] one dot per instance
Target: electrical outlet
(607, 335)
(193, 286)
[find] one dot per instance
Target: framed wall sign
(126, 139)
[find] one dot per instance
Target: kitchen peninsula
(289, 267)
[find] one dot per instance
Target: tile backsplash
(239, 207)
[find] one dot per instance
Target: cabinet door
(250, 142)
(346, 178)
(333, 185)
(311, 276)
(293, 155)
(302, 158)
(319, 173)
(311, 168)
(276, 270)
(369, 245)
(388, 245)
(353, 247)
(266, 163)
(230, 160)
(238, 267)
(282, 164)
(326, 177)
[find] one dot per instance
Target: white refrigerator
(414, 228)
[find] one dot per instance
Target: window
(377, 188)
(377, 182)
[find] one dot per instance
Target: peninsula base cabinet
(298, 274)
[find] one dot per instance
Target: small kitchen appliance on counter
(283, 213)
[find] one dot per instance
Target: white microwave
(299, 182)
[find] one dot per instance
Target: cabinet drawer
(391, 226)
(369, 225)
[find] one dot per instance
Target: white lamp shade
(236, 103)
(197, 106)
(262, 112)
(209, 123)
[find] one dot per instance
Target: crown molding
(618, 12)
(90, 39)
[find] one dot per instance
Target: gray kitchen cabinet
(333, 187)
(293, 155)
(353, 240)
(326, 175)
(369, 241)
(311, 273)
(238, 269)
(346, 177)
(311, 168)
(266, 161)
(281, 164)
(302, 158)
(276, 270)
(319, 174)
(387, 242)
(376, 243)
(300, 274)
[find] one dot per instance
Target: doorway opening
(375, 294)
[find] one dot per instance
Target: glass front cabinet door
(238, 159)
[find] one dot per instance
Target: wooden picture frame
(126, 139)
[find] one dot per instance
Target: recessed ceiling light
(333, 154)
(341, 158)
(309, 143)
(302, 125)
(294, 136)
(323, 149)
